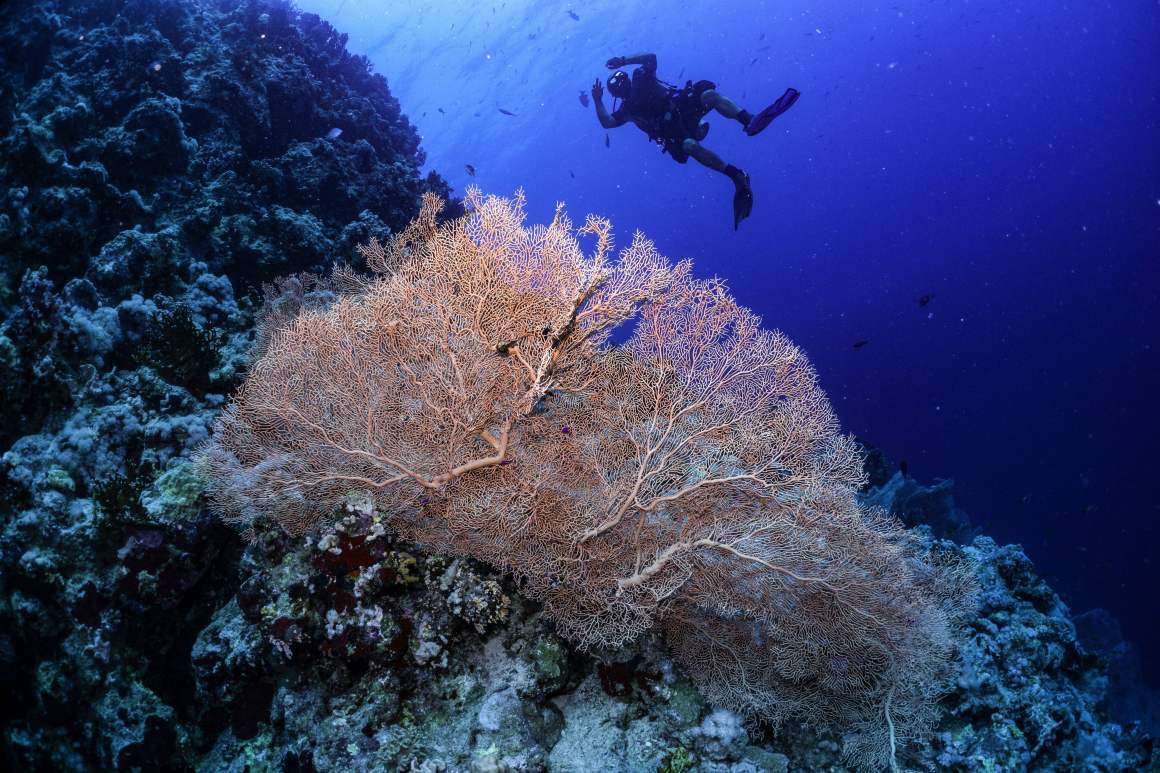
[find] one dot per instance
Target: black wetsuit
(668, 115)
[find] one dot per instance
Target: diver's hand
(597, 90)
(615, 63)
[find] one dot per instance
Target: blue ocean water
(998, 160)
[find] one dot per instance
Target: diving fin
(742, 198)
(766, 116)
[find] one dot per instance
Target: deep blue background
(1003, 156)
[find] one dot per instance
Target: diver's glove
(615, 63)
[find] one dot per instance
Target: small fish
(505, 112)
(861, 342)
(334, 133)
(441, 110)
(904, 468)
(574, 16)
(572, 174)
(155, 66)
(607, 141)
(584, 98)
(505, 462)
(924, 299)
(470, 169)
(566, 429)
(753, 61)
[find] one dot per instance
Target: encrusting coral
(692, 477)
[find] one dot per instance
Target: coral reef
(160, 160)
(348, 649)
(142, 162)
(139, 138)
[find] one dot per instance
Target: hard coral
(179, 349)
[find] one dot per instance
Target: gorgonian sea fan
(693, 477)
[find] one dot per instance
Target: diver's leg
(742, 193)
(704, 156)
(753, 124)
(715, 100)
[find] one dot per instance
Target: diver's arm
(606, 120)
(647, 61)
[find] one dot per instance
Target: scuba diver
(671, 117)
